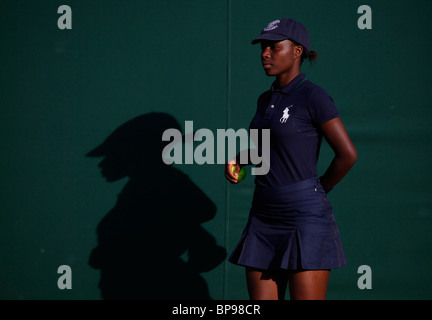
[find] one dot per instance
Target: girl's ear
(298, 51)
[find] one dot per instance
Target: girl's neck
(283, 79)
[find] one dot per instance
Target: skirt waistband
(306, 197)
(294, 187)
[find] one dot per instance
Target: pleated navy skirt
(291, 228)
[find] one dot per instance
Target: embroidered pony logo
(272, 25)
(285, 115)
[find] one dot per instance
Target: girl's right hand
(229, 175)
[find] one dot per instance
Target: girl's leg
(266, 285)
(308, 284)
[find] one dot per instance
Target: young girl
(291, 237)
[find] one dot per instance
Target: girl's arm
(345, 153)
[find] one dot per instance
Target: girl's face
(279, 57)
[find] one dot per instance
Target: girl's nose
(265, 53)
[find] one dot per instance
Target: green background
(64, 91)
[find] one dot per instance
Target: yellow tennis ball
(241, 174)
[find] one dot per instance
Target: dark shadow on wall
(156, 219)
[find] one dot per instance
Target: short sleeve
(321, 107)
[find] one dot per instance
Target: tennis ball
(241, 174)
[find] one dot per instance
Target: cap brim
(270, 37)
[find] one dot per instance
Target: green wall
(63, 92)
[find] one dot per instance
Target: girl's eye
(272, 47)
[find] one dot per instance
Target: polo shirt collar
(290, 86)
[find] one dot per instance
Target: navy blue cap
(283, 29)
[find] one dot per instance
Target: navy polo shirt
(294, 115)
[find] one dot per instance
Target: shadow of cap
(144, 131)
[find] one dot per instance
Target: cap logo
(272, 25)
